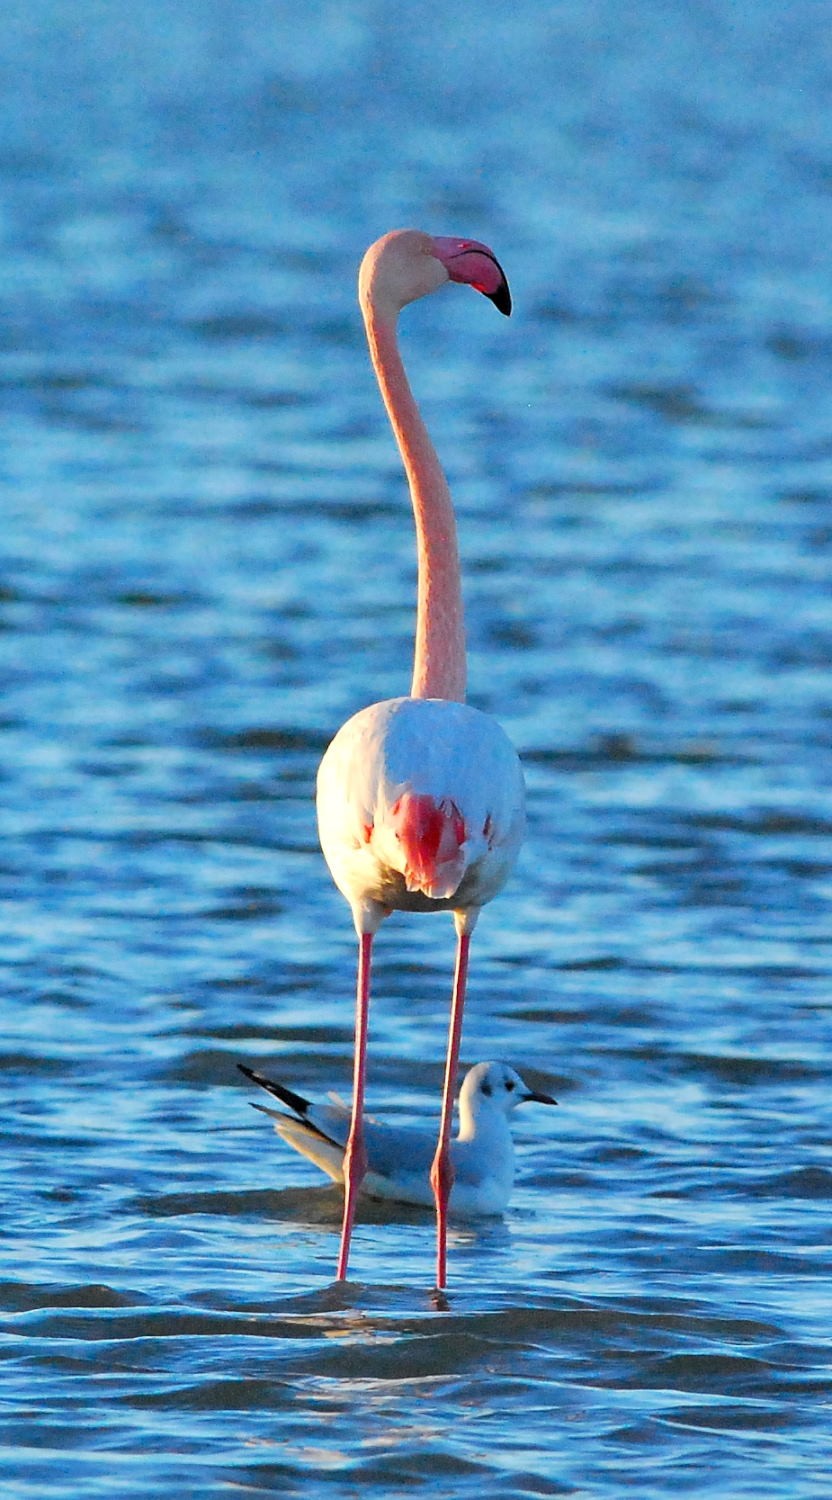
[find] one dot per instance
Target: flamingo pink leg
(442, 1171)
(355, 1156)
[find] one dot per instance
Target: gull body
(399, 1157)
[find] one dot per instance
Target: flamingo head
(475, 265)
(406, 264)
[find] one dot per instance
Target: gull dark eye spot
(486, 1089)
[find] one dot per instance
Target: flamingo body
(421, 807)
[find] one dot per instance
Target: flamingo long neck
(439, 660)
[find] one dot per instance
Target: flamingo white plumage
(420, 799)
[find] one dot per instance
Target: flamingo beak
(473, 264)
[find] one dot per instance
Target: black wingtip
(278, 1090)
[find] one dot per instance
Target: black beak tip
(501, 298)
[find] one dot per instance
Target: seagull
(399, 1157)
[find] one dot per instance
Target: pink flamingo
(420, 799)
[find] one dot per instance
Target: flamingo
(420, 799)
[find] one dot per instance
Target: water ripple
(206, 563)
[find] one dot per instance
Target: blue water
(207, 563)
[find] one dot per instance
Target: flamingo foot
(355, 1157)
(355, 1168)
(442, 1172)
(442, 1180)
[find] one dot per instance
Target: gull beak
(534, 1097)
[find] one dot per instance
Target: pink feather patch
(431, 835)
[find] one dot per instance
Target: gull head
(495, 1088)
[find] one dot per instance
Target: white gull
(399, 1157)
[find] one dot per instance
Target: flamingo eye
(510, 1084)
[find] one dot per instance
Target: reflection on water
(207, 563)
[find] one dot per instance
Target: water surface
(207, 563)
